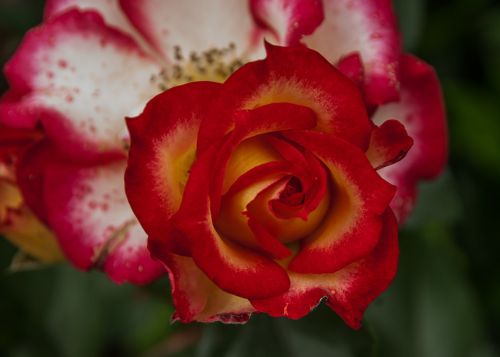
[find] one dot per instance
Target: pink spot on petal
(62, 63)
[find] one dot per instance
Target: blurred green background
(445, 300)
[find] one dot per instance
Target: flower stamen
(214, 64)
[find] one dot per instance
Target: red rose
(261, 194)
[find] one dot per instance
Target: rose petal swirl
(261, 194)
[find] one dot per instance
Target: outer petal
(10, 197)
(163, 147)
(389, 143)
(288, 20)
(293, 75)
(421, 110)
(196, 298)
(12, 141)
(352, 67)
(30, 174)
(368, 27)
(88, 210)
(110, 10)
(195, 26)
(352, 225)
(348, 291)
(128, 258)
(23, 229)
(73, 75)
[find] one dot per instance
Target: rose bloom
(234, 209)
(263, 194)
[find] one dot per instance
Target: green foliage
(410, 17)
(475, 121)
(322, 333)
(60, 311)
(431, 309)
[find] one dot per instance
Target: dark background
(445, 300)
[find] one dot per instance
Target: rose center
(292, 194)
(280, 201)
(214, 64)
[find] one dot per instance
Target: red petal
(163, 147)
(311, 174)
(13, 140)
(269, 118)
(267, 240)
(287, 229)
(30, 175)
(293, 75)
(236, 223)
(288, 20)
(389, 143)
(234, 269)
(349, 291)
(352, 226)
(258, 173)
(368, 27)
(421, 110)
(352, 67)
(73, 75)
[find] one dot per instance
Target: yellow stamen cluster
(212, 65)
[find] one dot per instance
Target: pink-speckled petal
(72, 74)
(421, 110)
(369, 28)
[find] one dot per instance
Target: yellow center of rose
(215, 64)
(255, 199)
